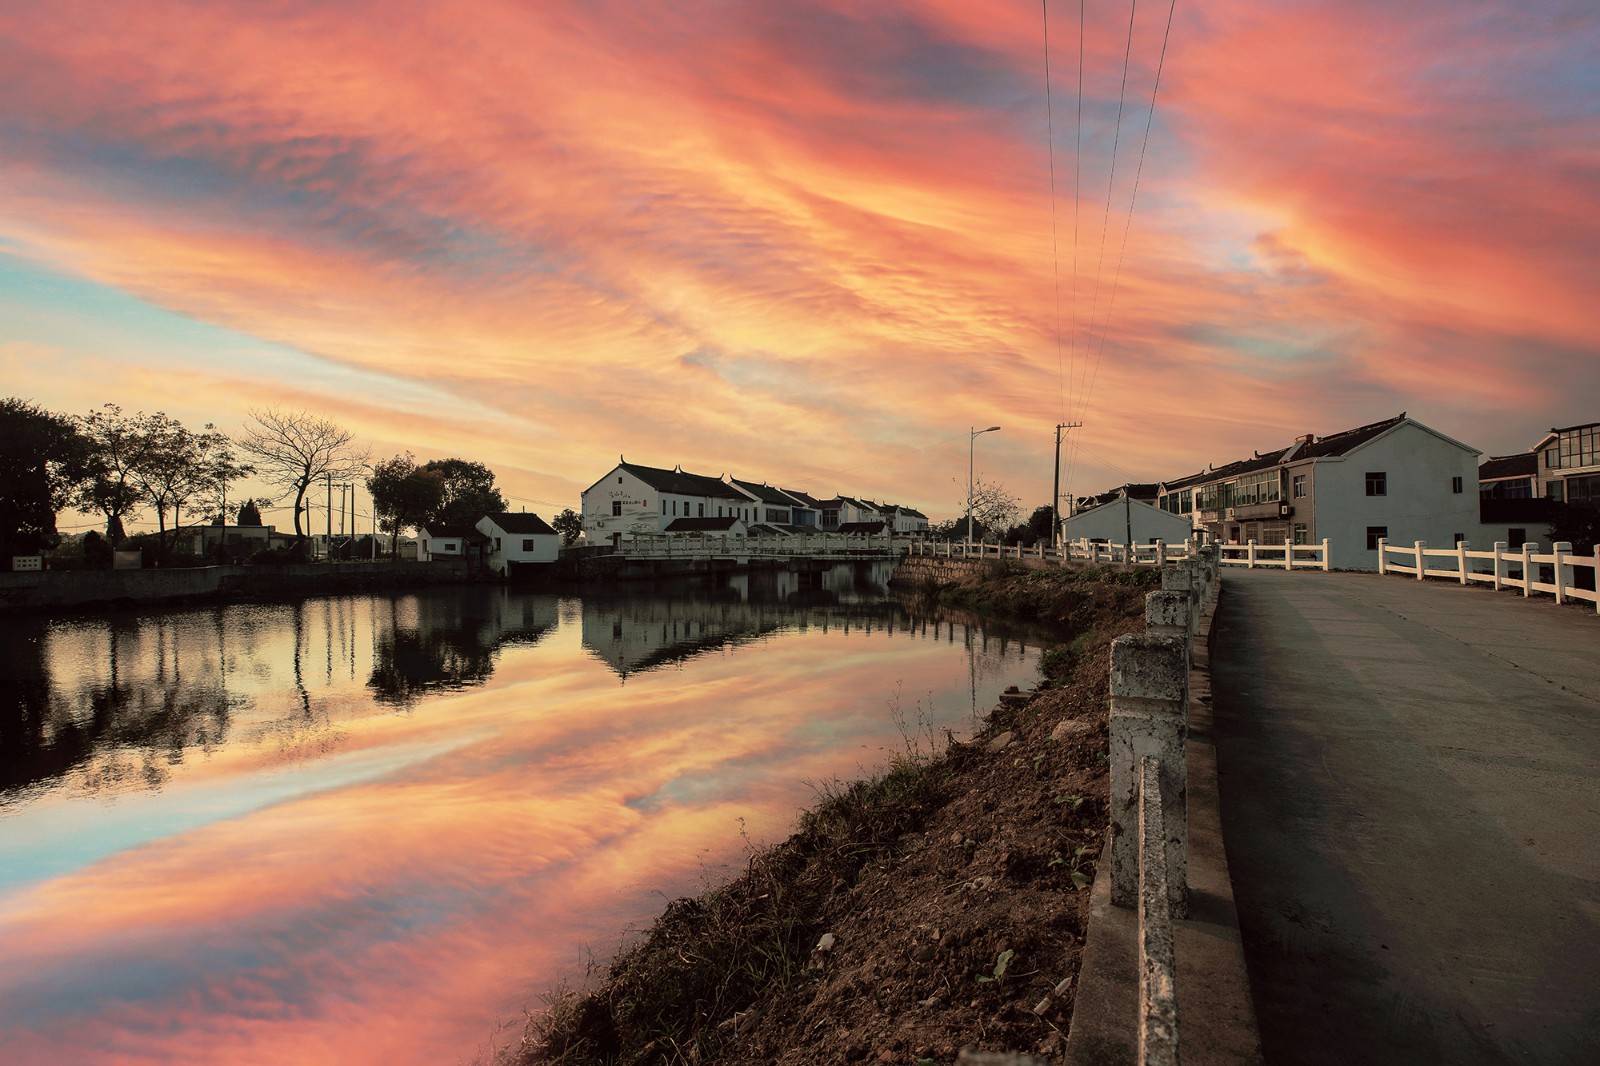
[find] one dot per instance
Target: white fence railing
(1502, 567)
(1157, 553)
(1285, 556)
(741, 545)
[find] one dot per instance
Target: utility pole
(329, 542)
(1055, 495)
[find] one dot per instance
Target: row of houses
(634, 500)
(1395, 479)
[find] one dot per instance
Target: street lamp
(972, 447)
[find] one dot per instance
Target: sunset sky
(805, 242)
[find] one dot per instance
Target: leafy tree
(569, 524)
(117, 444)
(43, 464)
(1576, 523)
(293, 449)
(178, 465)
(404, 496)
(250, 512)
(469, 492)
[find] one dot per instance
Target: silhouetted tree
(117, 444)
(569, 524)
(43, 464)
(404, 496)
(469, 492)
(294, 449)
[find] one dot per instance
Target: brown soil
(953, 889)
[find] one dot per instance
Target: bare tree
(294, 449)
(176, 464)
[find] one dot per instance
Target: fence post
(1250, 555)
(1418, 547)
(1149, 687)
(1383, 554)
(1561, 548)
(1596, 573)
(1527, 567)
(1288, 553)
(1499, 565)
(1170, 612)
(1461, 559)
(1327, 562)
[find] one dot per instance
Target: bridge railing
(1149, 786)
(1157, 553)
(744, 545)
(1285, 556)
(1502, 567)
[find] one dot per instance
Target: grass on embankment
(953, 884)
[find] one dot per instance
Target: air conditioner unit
(1284, 510)
(1228, 515)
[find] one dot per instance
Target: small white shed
(1127, 521)
(518, 538)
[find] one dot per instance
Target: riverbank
(75, 590)
(938, 906)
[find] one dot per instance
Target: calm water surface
(374, 828)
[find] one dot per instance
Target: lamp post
(972, 448)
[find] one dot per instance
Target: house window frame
(1457, 485)
(1377, 482)
(1375, 534)
(1297, 486)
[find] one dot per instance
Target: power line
(1055, 249)
(1127, 225)
(1077, 172)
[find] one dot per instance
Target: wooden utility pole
(1055, 496)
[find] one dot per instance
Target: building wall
(506, 548)
(1112, 522)
(1419, 505)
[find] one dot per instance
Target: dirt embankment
(938, 906)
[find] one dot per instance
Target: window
(674, 508)
(1377, 483)
(702, 510)
(1300, 486)
(616, 508)
(1575, 448)
(1584, 489)
(1516, 538)
(619, 479)
(1555, 490)
(1455, 485)
(1460, 536)
(527, 544)
(1375, 534)
(1300, 534)
(497, 544)
(663, 506)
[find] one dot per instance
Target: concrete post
(1184, 579)
(1596, 573)
(1149, 690)
(1383, 556)
(1499, 565)
(1169, 614)
(1418, 547)
(1127, 555)
(1527, 567)
(1561, 548)
(1250, 555)
(1327, 561)
(1461, 559)
(1161, 552)
(1288, 553)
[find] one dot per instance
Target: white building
(725, 526)
(518, 539)
(633, 499)
(448, 542)
(1396, 479)
(1128, 521)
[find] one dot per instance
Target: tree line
(120, 466)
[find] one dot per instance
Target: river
(373, 828)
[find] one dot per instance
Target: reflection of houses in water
(450, 641)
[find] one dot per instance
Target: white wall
(440, 547)
(1112, 522)
(1420, 504)
(507, 548)
(641, 507)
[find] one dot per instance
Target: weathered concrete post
(1149, 690)
(1170, 613)
(1419, 547)
(1161, 552)
(1499, 565)
(1250, 555)
(1327, 562)
(1528, 548)
(1561, 549)
(1461, 560)
(1185, 579)
(1383, 556)
(1288, 553)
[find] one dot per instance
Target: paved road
(1410, 778)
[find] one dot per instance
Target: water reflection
(367, 828)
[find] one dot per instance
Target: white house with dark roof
(769, 505)
(635, 499)
(805, 510)
(518, 539)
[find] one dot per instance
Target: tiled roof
(862, 527)
(702, 525)
(1349, 440)
(801, 497)
(1525, 464)
(523, 522)
(765, 493)
(683, 483)
(459, 532)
